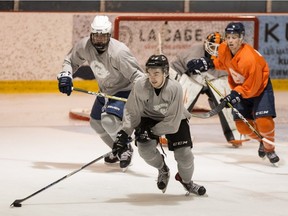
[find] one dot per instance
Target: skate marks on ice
(245, 157)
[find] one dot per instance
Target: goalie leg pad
(191, 91)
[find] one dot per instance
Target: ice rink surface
(40, 144)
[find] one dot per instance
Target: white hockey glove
(203, 64)
(65, 83)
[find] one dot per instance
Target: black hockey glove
(144, 134)
(121, 143)
(233, 98)
(203, 64)
(65, 83)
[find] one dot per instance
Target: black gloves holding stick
(233, 98)
(121, 143)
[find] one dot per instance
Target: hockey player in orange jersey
(252, 92)
(194, 85)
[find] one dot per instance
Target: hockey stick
(100, 94)
(212, 112)
(240, 115)
(17, 202)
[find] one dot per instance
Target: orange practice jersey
(248, 70)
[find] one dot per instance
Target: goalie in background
(154, 109)
(195, 85)
(115, 70)
(252, 91)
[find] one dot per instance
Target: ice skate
(126, 157)
(111, 159)
(163, 177)
(191, 187)
(273, 158)
(261, 151)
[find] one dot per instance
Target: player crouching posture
(155, 108)
(252, 92)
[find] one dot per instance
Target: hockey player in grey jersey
(194, 85)
(115, 70)
(154, 109)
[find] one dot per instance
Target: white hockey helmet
(211, 44)
(101, 24)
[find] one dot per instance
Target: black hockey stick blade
(212, 112)
(17, 203)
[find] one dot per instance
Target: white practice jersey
(115, 70)
(179, 64)
(167, 107)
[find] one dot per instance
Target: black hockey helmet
(211, 44)
(235, 28)
(158, 61)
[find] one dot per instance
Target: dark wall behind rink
(203, 6)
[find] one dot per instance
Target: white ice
(40, 144)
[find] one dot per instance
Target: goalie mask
(100, 33)
(235, 28)
(157, 70)
(211, 44)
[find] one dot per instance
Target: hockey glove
(121, 143)
(144, 134)
(65, 83)
(203, 64)
(233, 98)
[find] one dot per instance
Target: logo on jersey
(162, 108)
(99, 69)
(237, 78)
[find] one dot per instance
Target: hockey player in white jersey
(115, 70)
(154, 109)
(195, 85)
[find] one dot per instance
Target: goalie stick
(100, 94)
(17, 202)
(212, 112)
